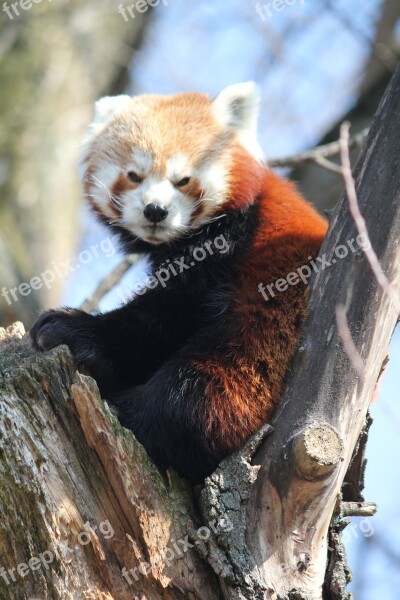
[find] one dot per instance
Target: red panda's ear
(237, 105)
(104, 110)
(107, 107)
(237, 108)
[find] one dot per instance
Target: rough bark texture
(67, 467)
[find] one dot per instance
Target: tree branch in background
(341, 317)
(91, 304)
(44, 114)
(319, 154)
(348, 342)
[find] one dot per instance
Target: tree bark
(80, 495)
(302, 466)
(78, 489)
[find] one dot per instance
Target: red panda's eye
(183, 182)
(134, 177)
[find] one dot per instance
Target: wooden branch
(316, 451)
(91, 304)
(358, 509)
(319, 154)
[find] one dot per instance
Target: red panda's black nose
(155, 212)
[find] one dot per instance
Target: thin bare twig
(341, 318)
(359, 219)
(328, 164)
(91, 304)
(320, 152)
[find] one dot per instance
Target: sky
(308, 61)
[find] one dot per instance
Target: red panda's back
(247, 381)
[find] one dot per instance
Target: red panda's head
(162, 166)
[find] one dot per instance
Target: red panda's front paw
(55, 327)
(80, 332)
(74, 328)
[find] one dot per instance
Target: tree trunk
(85, 514)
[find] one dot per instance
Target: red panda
(196, 364)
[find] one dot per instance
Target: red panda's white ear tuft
(104, 110)
(237, 108)
(237, 105)
(107, 107)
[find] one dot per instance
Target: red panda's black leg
(120, 348)
(162, 395)
(165, 415)
(186, 415)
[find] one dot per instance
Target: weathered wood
(80, 498)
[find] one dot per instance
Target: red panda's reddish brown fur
(247, 379)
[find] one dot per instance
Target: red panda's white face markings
(160, 166)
